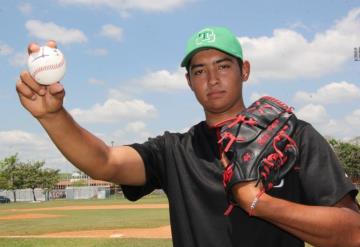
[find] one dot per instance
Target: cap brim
(186, 60)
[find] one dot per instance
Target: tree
(8, 170)
(349, 155)
(33, 176)
(50, 178)
(23, 175)
(3, 181)
(30, 175)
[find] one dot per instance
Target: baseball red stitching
(48, 67)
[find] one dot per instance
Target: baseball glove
(257, 145)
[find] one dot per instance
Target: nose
(213, 78)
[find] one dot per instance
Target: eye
(198, 71)
(224, 66)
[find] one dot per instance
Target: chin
(216, 110)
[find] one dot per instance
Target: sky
(124, 82)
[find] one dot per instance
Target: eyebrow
(225, 59)
(216, 62)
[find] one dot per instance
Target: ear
(245, 70)
(188, 81)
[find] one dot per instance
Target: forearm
(320, 226)
(80, 147)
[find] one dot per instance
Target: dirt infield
(158, 232)
(29, 216)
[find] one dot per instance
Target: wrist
(255, 203)
(51, 116)
(244, 194)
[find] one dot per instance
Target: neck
(215, 118)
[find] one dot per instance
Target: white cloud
(112, 32)
(340, 129)
(19, 59)
(121, 95)
(19, 137)
(52, 31)
(354, 118)
(299, 25)
(287, 54)
(163, 80)
(5, 49)
(124, 6)
(113, 111)
(335, 92)
(25, 8)
(155, 5)
(138, 129)
(32, 147)
(123, 137)
(132, 132)
(344, 128)
(256, 95)
(155, 81)
(136, 126)
(314, 114)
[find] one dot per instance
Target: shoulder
(312, 145)
(306, 133)
(303, 126)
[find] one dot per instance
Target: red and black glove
(258, 145)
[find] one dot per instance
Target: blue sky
(124, 82)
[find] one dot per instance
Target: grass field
(82, 220)
(76, 242)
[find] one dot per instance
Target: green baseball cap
(219, 38)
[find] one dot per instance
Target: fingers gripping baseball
(46, 64)
(39, 99)
(33, 47)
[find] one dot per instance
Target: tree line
(15, 174)
(349, 155)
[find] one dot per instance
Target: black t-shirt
(186, 166)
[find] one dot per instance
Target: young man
(315, 204)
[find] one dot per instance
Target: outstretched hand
(39, 100)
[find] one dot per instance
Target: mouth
(216, 94)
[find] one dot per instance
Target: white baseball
(47, 66)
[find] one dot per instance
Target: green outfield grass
(78, 220)
(81, 220)
(97, 242)
(150, 199)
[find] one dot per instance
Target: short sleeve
(322, 176)
(152, 154)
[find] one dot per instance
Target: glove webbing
(277, 159)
